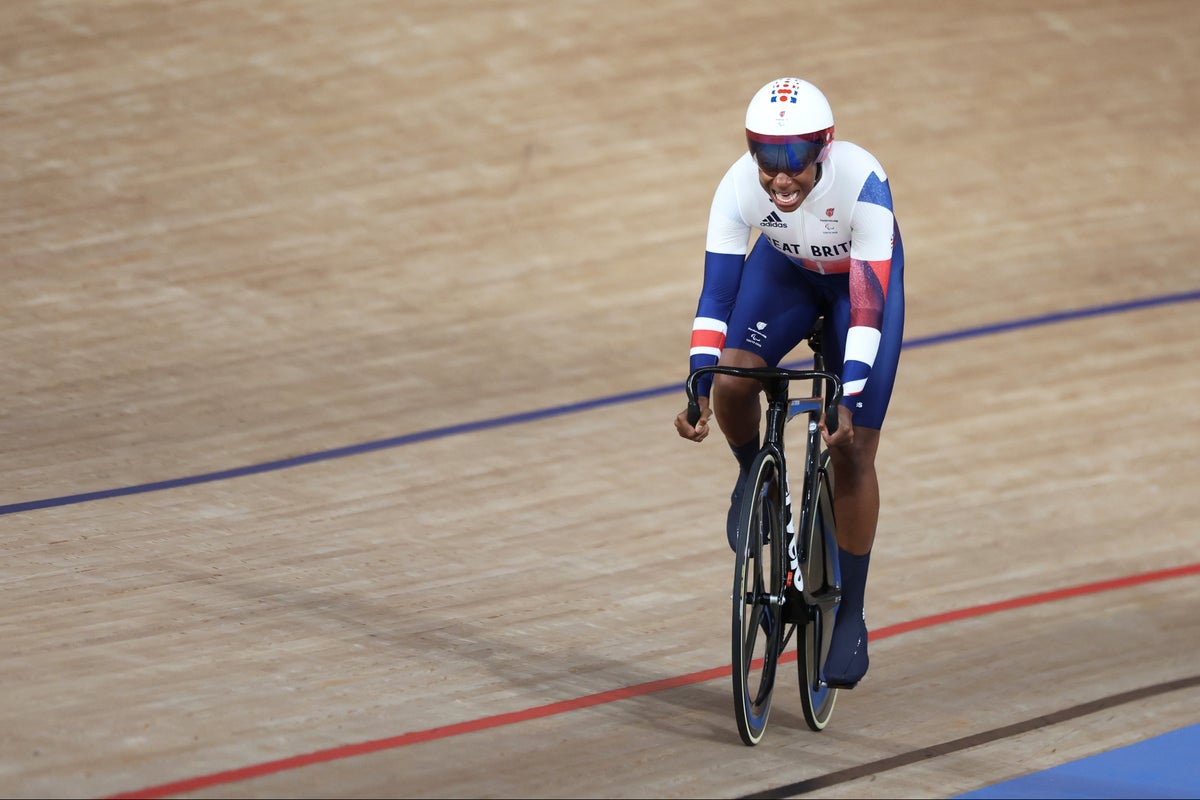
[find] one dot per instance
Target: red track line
(1036, 599)
(613, 695)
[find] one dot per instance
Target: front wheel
(758, 582)
(822, 591)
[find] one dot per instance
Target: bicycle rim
(820, 577)
(816, 698)
(757, 625)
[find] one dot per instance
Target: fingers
(687, 431)
(844, 436)
(696, 434)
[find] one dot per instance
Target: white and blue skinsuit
(839, 253)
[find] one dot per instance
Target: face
(788, 189)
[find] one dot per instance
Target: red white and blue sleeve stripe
(871, 242)
(722, 275)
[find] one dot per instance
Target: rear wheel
(822, 591)
(758, 581)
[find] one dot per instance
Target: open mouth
(786, 198)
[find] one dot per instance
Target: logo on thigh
(756, 336)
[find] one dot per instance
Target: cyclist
(828, 243)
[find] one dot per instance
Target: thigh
(775, 306)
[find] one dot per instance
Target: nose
(782, 180)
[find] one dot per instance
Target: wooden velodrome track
(342, 343)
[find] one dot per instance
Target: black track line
(974, 740)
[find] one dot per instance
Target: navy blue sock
(847, 661)
(745, 453)
(854, 582)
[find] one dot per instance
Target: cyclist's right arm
(722, 276)
(724, 257)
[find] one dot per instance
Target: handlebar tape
(831, 418)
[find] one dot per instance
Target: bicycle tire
(822, 590)
(757, 584)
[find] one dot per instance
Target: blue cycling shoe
(731, 519)
(847, 661)
(735, 508)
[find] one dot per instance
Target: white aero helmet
(789, 125)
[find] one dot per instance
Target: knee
(734, 391)
(854, 462)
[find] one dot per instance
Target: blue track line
(570, 408)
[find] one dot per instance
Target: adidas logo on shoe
(772, 220)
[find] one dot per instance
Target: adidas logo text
(772, 220)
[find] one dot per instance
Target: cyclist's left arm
(872, 238)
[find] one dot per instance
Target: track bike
(786, 577)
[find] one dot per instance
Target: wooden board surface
(262, 259)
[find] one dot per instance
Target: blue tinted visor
(792, 154)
